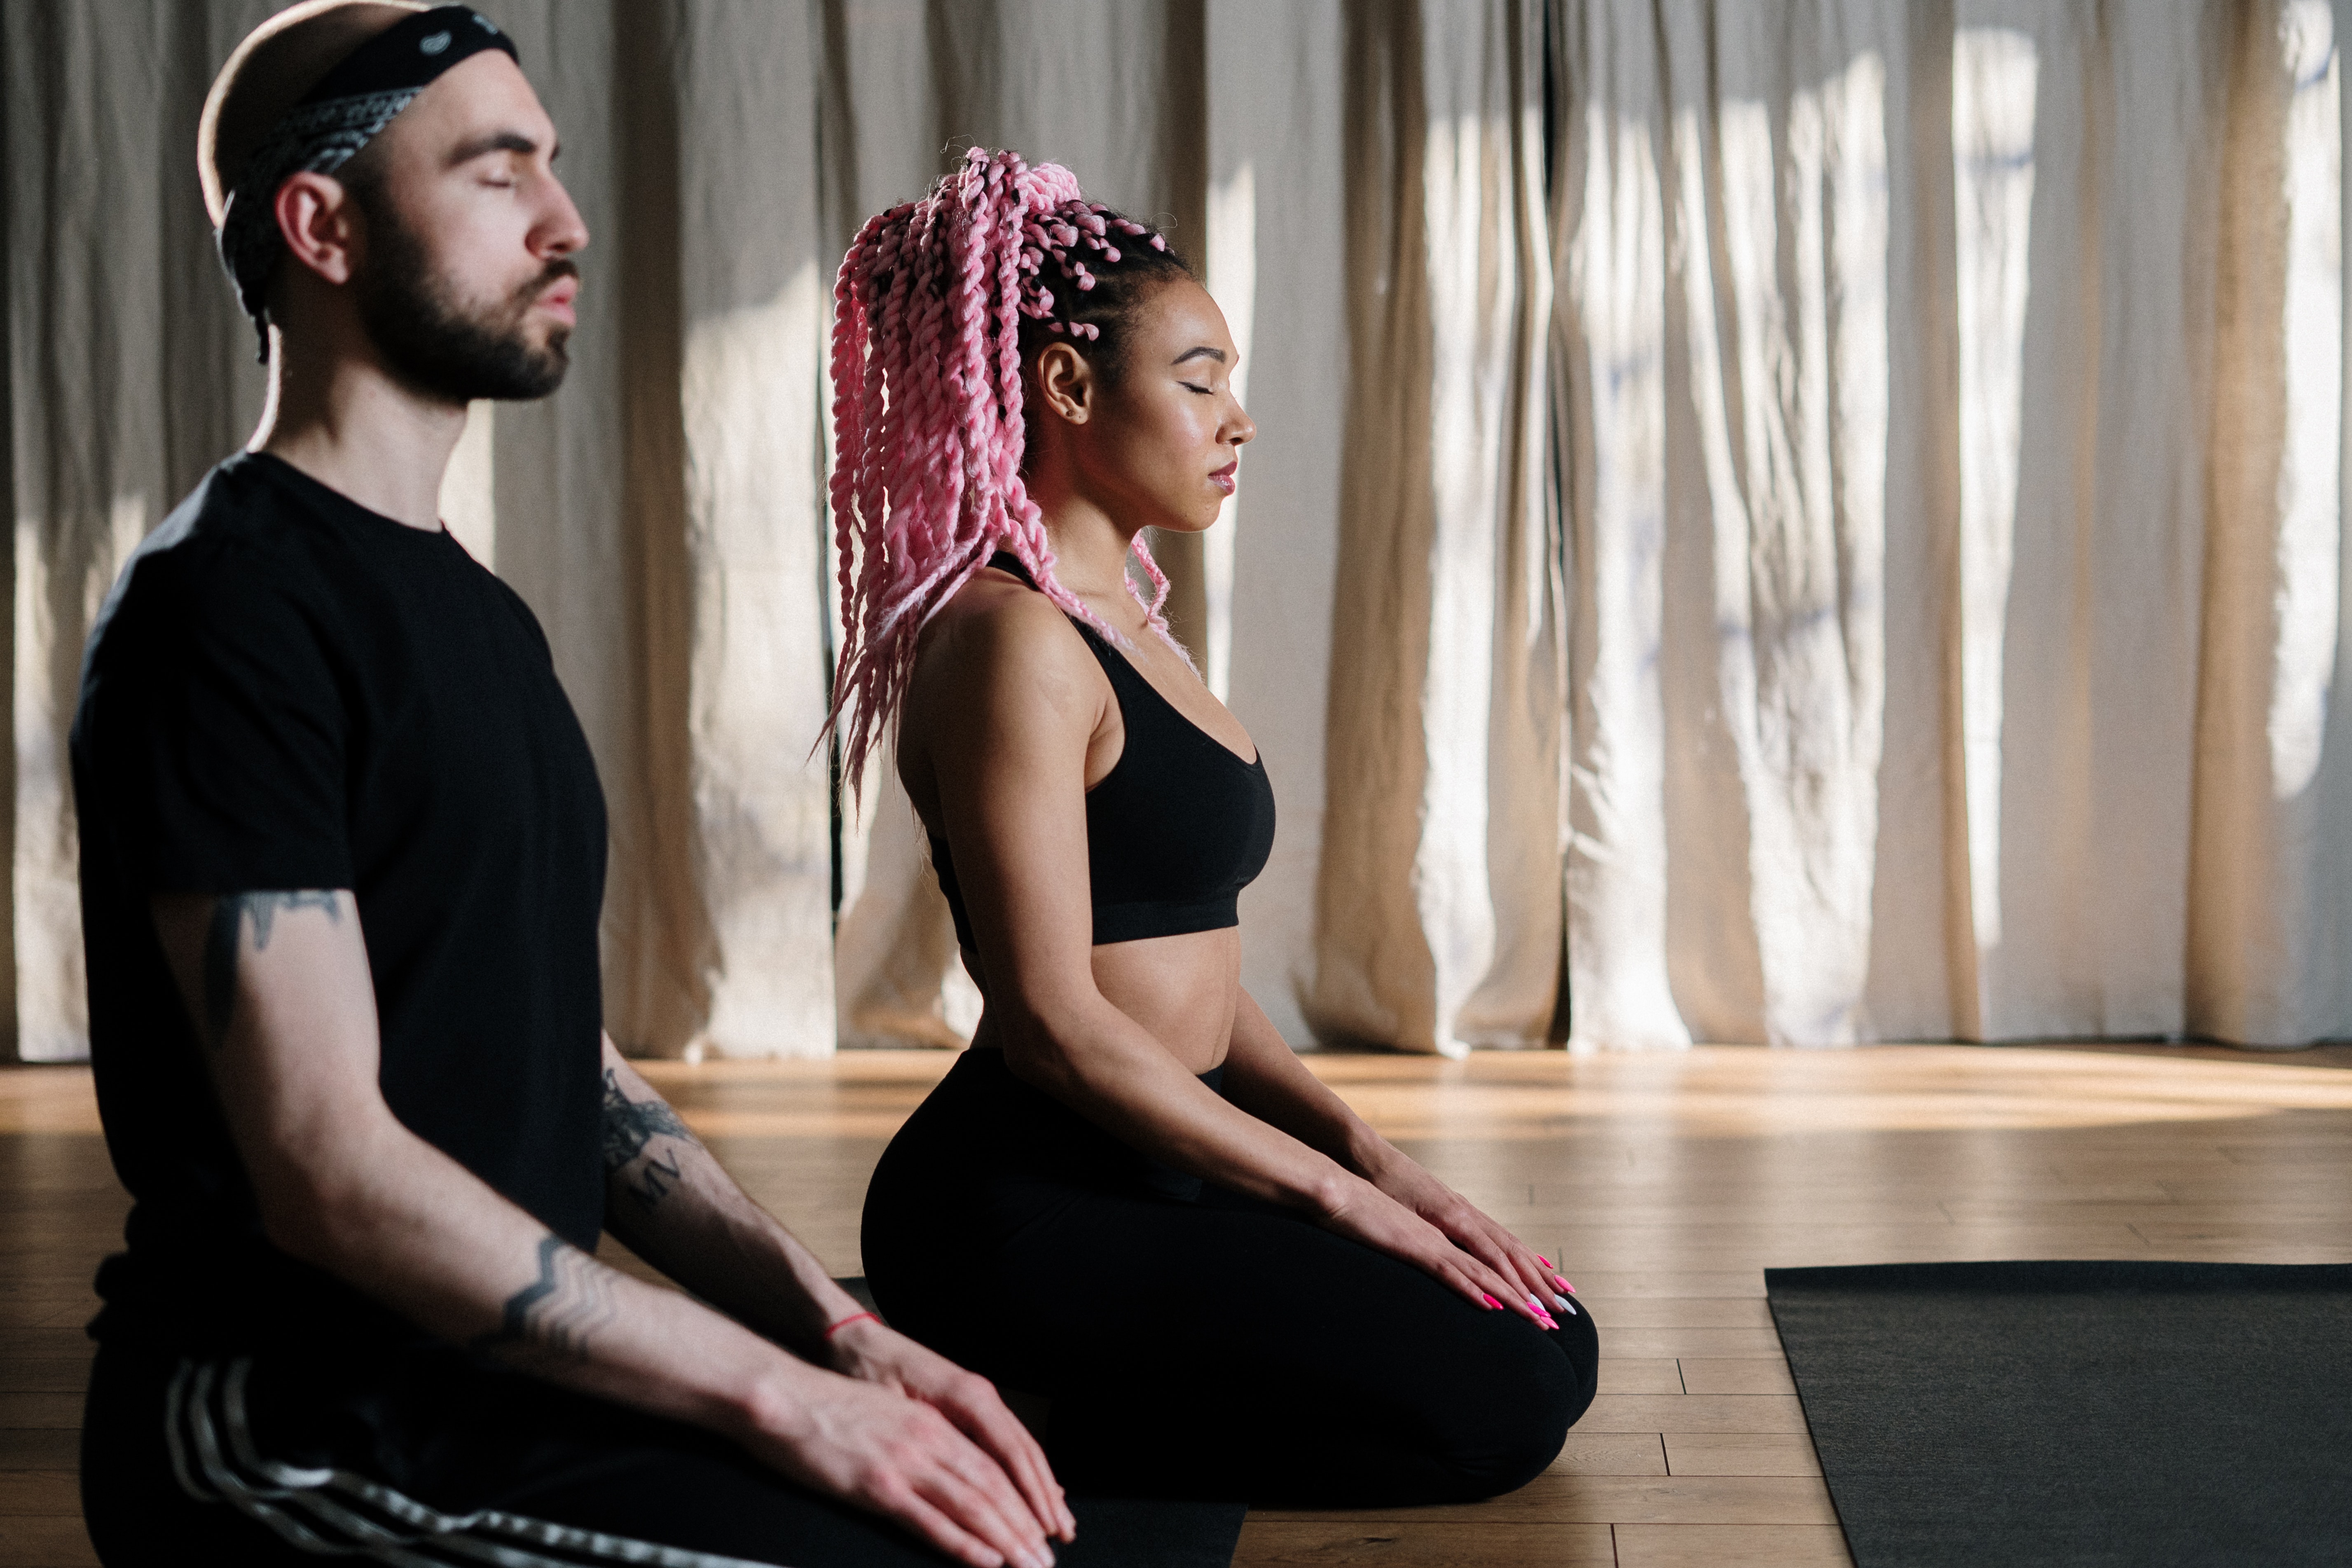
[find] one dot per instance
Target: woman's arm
(1004, 709)
(1265, 1077)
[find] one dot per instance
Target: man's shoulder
(237, 539)
(239, 512)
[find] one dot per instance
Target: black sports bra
(1176, 829)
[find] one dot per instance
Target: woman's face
(1162, 445)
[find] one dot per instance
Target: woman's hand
(871, 1352)
(1469, 1229)
(1366, 1214)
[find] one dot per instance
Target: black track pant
(428, 1459)
(1192, 1341)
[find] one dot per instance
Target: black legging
(421, 1457)
(1191, 1341)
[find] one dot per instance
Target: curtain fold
(1812, 522)
(1437, 908)
(1952, 464)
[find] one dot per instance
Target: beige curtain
(1951, 444)
(1825, 526)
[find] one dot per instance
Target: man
(342, 858)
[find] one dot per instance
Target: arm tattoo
(557, 1315)
(229, 912)
(630, 1126)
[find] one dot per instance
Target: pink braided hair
(928, 414)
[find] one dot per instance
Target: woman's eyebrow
(1198, 350)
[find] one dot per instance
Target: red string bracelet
(833, 1328)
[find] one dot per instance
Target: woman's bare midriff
(1181, 989)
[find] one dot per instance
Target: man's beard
(438, 347)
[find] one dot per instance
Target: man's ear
(1066, 382)
(319, 224)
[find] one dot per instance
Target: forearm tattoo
(557, 1316)
(230, 913)
(630, 1128)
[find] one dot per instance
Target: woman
(1128, 1196)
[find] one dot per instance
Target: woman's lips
(1223, 477)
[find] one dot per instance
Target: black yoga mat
(2137, 1415)
(1134, 1532)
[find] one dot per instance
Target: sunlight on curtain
(1614, 282)
(468, 504)
(1233, 283)
(2309, 484)
(63, 575)
(1792, 404)
(1450, 887)
(1994, 72)
(761, 856)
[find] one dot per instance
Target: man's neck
(340, 419)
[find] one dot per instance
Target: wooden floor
(1666, 1183)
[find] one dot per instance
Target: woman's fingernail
(1542, 1259)
(1550, 1322)
(1564, 1304)
(1536, 1302)
(1490, 1301)
(1563, 1284)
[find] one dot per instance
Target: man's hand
(869, 1352)
(903, 1459)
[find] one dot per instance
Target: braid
(940, 304)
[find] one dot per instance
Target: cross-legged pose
(1128, 1196)
(343, 857)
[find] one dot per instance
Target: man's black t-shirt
(287, 690)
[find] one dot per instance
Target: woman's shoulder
(997, 628)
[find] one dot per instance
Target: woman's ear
(1065, 381)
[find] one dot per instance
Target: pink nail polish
(1542, 1259)
(1536, 1302)
(1563, 1284)
(1492, 1304)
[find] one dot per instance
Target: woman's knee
(1505, 1435)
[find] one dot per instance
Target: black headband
(348, 109)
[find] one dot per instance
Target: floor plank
(44, 1541)
(1556, 1499)
(1741, 1454)
(39, 1493)
(1415, 1543)
(1657, 1375)
(1680, 1343)
(1744, 1376)
(1612, 1453)
(1694, 1412)
(1622, 1314)
(1724, 1545)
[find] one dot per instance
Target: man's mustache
(563, 266)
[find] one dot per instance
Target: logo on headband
(434, 45)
